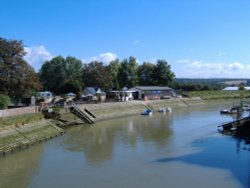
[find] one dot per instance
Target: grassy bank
(21, 131)
(213, 95)
(120, 109)
(18, 121)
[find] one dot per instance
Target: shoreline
(22, 135)
(18, 137)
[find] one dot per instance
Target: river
(180, 149)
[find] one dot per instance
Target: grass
(20, 120)
(211, 95)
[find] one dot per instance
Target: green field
(212, 95)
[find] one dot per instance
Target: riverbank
(20, 132)
(104, 111)
(219, 95)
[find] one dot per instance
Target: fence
(18, 111)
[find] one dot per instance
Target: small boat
(231, 111)
(163, 110)
(147, 112)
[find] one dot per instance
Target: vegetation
(128, 74)
(17, 78)
(67, 75)
(113, 68)
(53, 114)
(209, 95)
(20, 120)
(4, 101)
(96, 74)
(162, 73)
(62, 75)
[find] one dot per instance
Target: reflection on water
(16, 169)
(182, 149)
(99, 140)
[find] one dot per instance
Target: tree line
(62, 75)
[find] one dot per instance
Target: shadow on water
(219, 153)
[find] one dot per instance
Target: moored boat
(233, 110)
(163, 110)
(147, 112)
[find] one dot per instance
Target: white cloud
(199, 69)
(36, 56)
(104, 57)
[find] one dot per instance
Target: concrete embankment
(104, 111)
(23, 134)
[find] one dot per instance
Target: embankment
(104, 111)
(20, 132)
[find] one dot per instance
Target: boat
(233, 110)
(147, 112)
(163, 110)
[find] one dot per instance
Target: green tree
(62, 75)
(97, 75)
(146, 72)
(114, 67)
(241, 87)
(163, 75)
(4, 101)
(128, 73)
(17, 78)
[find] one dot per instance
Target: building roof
(247, 88)
(70, 94)
(231, 89)
(93, 91)
(151, 88)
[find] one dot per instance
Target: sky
(198, 38)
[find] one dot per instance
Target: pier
(86, 116)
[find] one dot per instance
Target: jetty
(86, 116)
(232, 126)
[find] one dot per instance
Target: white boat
(167, 109)
(231, 111)
(147, 112)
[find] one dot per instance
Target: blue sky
(198, 38)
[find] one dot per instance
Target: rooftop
(151, 88)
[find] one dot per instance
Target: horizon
(200, 40)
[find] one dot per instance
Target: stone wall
(18, 111)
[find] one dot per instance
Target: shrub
(4, 101)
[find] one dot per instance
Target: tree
(98, 75)
(146, 71)
(4, 101)
(241, 87)
(114, 67)
(62, 75)
(128, 73)
(17, 78)
(163, 75)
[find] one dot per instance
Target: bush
(51, 113)
(4, 101)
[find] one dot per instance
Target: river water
(181, 149)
